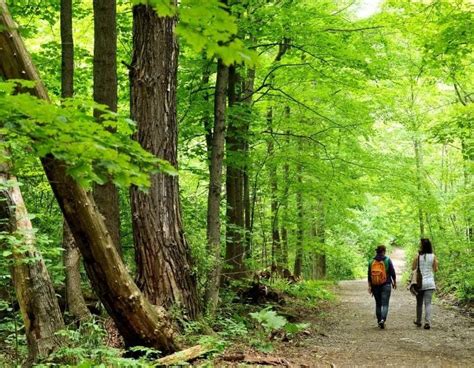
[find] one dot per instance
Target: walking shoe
(382, 324)
(418, 324)
(427, 326)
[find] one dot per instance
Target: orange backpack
(378, 272)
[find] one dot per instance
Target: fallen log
(183, 356)
(258, 294)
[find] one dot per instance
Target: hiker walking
(381, 278)
(427, 264)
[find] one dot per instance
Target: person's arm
(369, 279)
(392, 273)
(435, 264)
(414, 264)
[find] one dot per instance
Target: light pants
(424, 297)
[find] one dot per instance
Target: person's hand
(370, 290)
(394, 285)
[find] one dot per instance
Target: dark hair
(381, 249)
(425, 246)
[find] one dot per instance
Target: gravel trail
(349, 337)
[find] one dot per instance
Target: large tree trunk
(139, 322)
(299, 224)
(215, 188)
(105, 92)
(235, 250)
(164, 265)
(75, 302)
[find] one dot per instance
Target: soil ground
(347, 335)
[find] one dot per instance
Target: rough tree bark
(105, 92)
(235, 250)
(164, 265)
(215, 187)
(75, 302)
(139, 322)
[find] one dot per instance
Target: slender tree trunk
(299, 231)
(274, 205)
(105, 92)
(75, 302)
(286, 192)
(468, 158)
(419, 175)
(248, 89)
(235, 250)
(67, 50)
(319, 256)
(138, 321)
(72, 263)
(215, 187)
(206, 119)
(164, 266)
(277, 257)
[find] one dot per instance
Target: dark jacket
(391, 276)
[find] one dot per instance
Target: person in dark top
(379, 286)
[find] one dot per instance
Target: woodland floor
(346, 335)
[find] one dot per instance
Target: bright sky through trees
(367, 8)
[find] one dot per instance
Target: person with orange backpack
(381, 278)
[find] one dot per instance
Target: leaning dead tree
(139, 322)
(33, 287)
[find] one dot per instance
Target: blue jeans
(382, 298)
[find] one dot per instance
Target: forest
(187, 180)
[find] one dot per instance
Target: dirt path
(349, 336)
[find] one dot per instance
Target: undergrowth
(255, 326)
